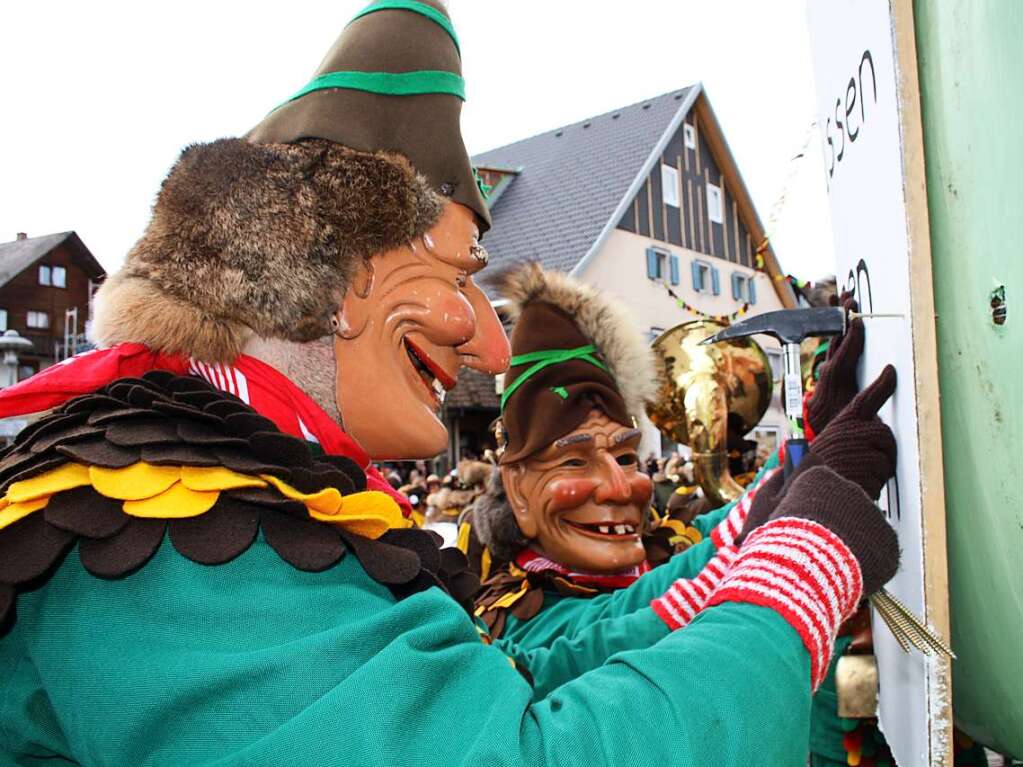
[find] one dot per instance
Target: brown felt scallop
(44, 443)
(277, 446)
(219, 535)
(134, 433)
(304, 543)
(179, 410)
(270, 499)
(85, 512)
(55, 424)
(245, 424)
(178, 455)
(99, 452)
(7, 597)
(29, 547)
(199, 399)
(226, 407)
(92, 402)
(349, 467)
(384, 563)
(419, 541)
(204, 434)
(244, 462)
(124, 551)
(158, 378)
(106, 416)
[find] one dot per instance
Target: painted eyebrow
(625, 436)
(573, 439)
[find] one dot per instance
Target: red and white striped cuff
(804, 572)
(686, 596)
(728, 529)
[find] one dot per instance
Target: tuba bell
(700, 386)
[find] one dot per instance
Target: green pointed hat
(392, 82)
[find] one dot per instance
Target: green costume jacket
(267, 645)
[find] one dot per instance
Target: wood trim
(650, 205)
(664, 207)
(692, 215)
(724, 218)
(925, 366)
(744, 203)
(701, 208)
(696, 131)
(685, 149)
(735, 228)
(681, 206)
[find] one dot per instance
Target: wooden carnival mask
(411, 318)
(582, 500)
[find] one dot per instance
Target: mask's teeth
(620, 529)
(604, 529)
(438, 387)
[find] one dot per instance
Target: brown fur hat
(258, 238)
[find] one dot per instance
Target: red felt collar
(534, 562)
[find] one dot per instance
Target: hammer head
(789, 326)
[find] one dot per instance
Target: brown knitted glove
(857, 444)
(837, 385)
(822, 496)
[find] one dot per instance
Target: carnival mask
(582, 501)
(411, 318)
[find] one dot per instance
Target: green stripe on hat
(544, 358)
(388, 83)
(411, 5)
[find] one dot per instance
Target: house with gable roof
(636, 201)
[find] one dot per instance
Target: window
(25, 371)
(59, 277)
(45, 276)
(3, 320)
(661, 265)
(669, 185)
(744, 288)
(39, 320)
(706, 279)
(714, 203)
(689, 132)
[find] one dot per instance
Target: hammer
(790, 327)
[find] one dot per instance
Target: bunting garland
(724, 319)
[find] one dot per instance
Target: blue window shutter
(651, 264)
(752, 290)
(735, 286)
(674, 270)
(715, 277)
(697, 284)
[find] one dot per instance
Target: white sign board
(872, 189)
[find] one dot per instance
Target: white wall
(620, 269)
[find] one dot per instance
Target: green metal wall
(970, 56)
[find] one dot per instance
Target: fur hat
(494, 521)
(258, 238)
(262, 235)
(555, 314)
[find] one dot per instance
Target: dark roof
(571, 181)
(474, 390)
(17, 256)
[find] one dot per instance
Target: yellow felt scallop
(177, 502)
(15, 511)
(326, 501)
(134, 483)
(216, 478)
(65, 477)
(373, 503)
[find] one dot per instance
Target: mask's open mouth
(610, 530)
(433, 376)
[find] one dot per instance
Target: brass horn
(700, 387)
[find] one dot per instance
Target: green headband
(388, 83)
(422, 9)
(544, 359)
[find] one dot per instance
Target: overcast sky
(98, 98)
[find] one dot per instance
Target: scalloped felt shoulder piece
(117, 470)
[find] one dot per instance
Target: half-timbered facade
(644, 201)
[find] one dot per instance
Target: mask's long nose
(488, 350)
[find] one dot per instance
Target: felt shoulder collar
(115, 470)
